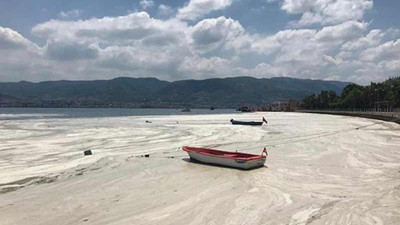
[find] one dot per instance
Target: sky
(347, 40)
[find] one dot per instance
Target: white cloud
(20, 59)
(135, 44)
(342, 32)
(73, 14)
(198, 8)
(209, 34)
(308, 44)
(202, 68)
(283, 39)
(326, 12)
(262, 70)
(10, 39)
(307, 52)
(392, 66)
(141, 46)
(145, 4)
(386, 51)
(165, 10)
(372, 39)
(123, 30)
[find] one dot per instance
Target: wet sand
(321, 170)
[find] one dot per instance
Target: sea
(40, 113)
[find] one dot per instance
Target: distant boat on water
(212, 108)
(224, 158)
(245, 109)
(249, 123)
(186, 110)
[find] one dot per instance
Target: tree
(356, 97)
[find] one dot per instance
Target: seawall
(386, 116)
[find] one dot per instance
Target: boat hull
(254, 161)
(251, 123)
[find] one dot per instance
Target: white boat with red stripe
(226, 158)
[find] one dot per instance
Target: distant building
(290, 105)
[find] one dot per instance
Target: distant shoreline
(24, 113)
(385, 116)
(177, 108)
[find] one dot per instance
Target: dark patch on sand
(325, 209)
(15, 185)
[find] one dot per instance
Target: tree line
(376, 96)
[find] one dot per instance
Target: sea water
(32, 113)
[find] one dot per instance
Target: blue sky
(348, 40)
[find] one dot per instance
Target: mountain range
(153, 93)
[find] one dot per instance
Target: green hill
(151, 92)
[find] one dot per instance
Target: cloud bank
(189, 46)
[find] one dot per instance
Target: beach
(321, 169)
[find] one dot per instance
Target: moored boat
(250, 123)
(245, 109)
(225, 158)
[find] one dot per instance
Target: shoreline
(384, 116)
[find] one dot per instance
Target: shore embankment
(385, 116)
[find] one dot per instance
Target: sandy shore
(321, 170)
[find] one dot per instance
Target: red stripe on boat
(222, 154)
